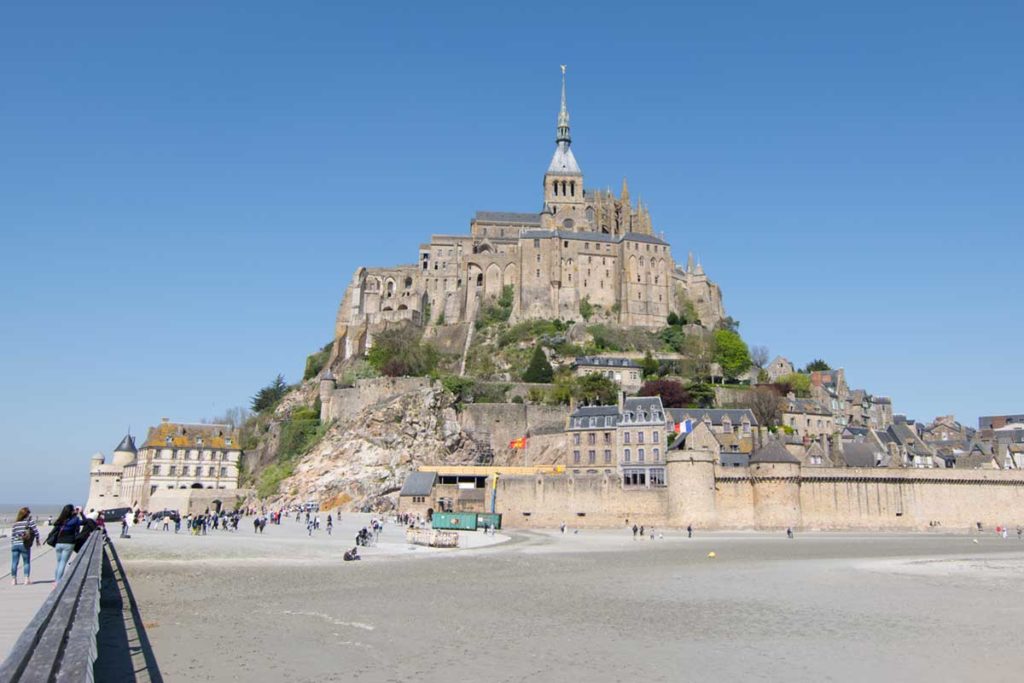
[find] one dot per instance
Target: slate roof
(729, 459)
(592, 236)
(735, 415)
(605, 361)
(507, 217)
(418, 484)
(805, 406)
(861, 455)
(127, 444)
(773, 451)
(564, 161)
(580, 418)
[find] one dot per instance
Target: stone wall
(543, 425)
(773, 496)
(344, 404)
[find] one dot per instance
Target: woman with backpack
(23, 534)
(65, 530)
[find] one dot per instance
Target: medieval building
(583, 245)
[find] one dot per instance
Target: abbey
(583, 245)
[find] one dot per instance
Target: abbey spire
(563, 183)
(563, 162)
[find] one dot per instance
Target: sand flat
(595, 606)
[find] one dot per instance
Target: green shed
(454, 520)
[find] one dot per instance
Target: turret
(690, 478)
(125, 453)
(327, 386)
(775, 477)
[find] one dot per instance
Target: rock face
(359, 462)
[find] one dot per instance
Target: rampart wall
(772, 496)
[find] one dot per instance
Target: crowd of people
(66, 535)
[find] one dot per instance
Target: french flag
(684, 427)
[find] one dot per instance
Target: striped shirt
(19, 529)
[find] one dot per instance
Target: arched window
(554, 187)
(480, 278)
(408, 282)
(572, 188)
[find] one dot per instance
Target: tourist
(330, 524)
(642, 531)
(635, 529)
(23, 534)
(67, 525)
(563, 528)
(789, 532)
(351, 555)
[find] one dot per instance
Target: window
(625, 455)
(634, 477)
(657, 475)
(576, 457)
(591, 439)
(607, 437)
(607, 457)
(654, 437)
(536, 244)
(172, 470)
(639, 455)
(223, 471)
(575, 439)
(538, 272)
(591, 457)
(625, 437)
(639, 437)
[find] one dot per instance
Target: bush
(586, 308)
(500, 310)
(798, 383)
(701, 395)
(649, 366)
(673, 394)
(595, 390)
(817, 365)
(459, 387)
(401, 352)
(315, 362)
(272, 476)
(517, 399)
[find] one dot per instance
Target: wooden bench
(59, 644)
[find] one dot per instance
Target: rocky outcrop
(363, 461)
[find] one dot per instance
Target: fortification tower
(564, 207)
(775, 478)
(125, 453)
(690, 475)
(328, 384)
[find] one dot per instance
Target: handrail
(59, 644)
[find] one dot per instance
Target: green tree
(586, 308)
(649, 365)
(701, 395)
(268, 396)
(817, 365)
(593, 389)
(730, 351)
(673, 394)
(539, 370)
(728, 323)
(797, 382)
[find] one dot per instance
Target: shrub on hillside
(539, 370)
(269, 396)
(401, 352)
(673, 394)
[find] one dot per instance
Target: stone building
(623, 371)
(583, 245)
(779, 368)
(807, 417)
(735, 430)
(629, 439)
(179, 466)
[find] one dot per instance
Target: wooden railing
(59, 644)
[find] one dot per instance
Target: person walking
(67, 525)
(635, 529)
(689, 531)
(330, 524)
(23, 534)
(789, 532)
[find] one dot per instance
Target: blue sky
(186, 188)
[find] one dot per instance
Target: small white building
(623, 371)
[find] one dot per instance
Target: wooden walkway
(18, 604)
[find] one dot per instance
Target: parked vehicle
(115, 514)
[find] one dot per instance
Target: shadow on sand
(123, 649)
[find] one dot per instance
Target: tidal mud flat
(593, 606)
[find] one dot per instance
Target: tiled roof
(187, 435)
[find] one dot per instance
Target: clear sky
(186, 188)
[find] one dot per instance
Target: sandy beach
(597, 605)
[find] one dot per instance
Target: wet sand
(594, 606)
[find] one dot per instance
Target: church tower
(564, 207)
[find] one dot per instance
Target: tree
(701, 395)
(817, 365)
(649, 365)
(673, 394)
(766, 404)
(730, 351)
(586, 308)
(797, 382)
(401, 352)
(539, 370)
(728, 323)
(593, 389)
(759, 356)
(673, 319)
(268, 396)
